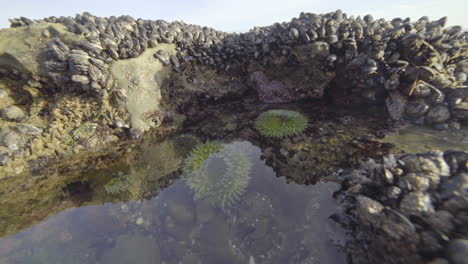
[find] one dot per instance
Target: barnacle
(279, 123)
(221, 176)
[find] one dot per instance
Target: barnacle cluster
(218, 173)
(280, 123)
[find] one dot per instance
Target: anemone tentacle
(279, 123)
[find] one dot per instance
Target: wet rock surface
(417, 224)
(143, 72)
(84, 84)
(417, 60)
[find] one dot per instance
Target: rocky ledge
(69, 84)
(407, 209)
(72, 85)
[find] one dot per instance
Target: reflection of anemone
(280, 123)
(118, 185)
(199, 154)
(222, 176)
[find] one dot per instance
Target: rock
(3, 93)
(27, 129)
(180, 211)
(437, 114)
(13, 141)
(429, 243)
(4, 150)
(396, 104)
(416, 109)
(413, 182)
(456, 160)
(456, 186)
(416, 203)
(461, 218)
(430, 166)
(439, 261)
(441, 221)
(38, 166)
(128, 248)
(4, 153)
(368, 210)
(460, 111)
(205, 211)
(21, 48)
(13, 113)
(457, 251)
(455, 204)
(437, 157)
(270, 91)
(460, 77)
(140, 79)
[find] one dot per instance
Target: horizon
(240, 16)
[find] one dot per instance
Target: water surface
(272, 222)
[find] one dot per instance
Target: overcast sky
(235, 15)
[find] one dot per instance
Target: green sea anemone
(279, 123)
(222, 176)
(199, 154)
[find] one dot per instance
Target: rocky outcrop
(23, 49)
(122, 76)
(407, 209)
(422, 61)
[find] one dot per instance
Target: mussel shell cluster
(420, 67)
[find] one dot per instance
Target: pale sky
(235, 15)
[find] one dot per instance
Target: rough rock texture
(125, 75)
(139, 80)
(397, 219)
(422, 60)
(24, 48)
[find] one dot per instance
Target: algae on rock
(22, 48)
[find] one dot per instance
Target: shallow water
(272, 222)
(417, 139)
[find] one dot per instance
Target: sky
(235, 15)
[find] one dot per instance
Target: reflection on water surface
(270, 222)
(416, 139)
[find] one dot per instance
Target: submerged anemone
(221, 176)
(279, 123)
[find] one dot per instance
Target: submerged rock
(128, 248)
